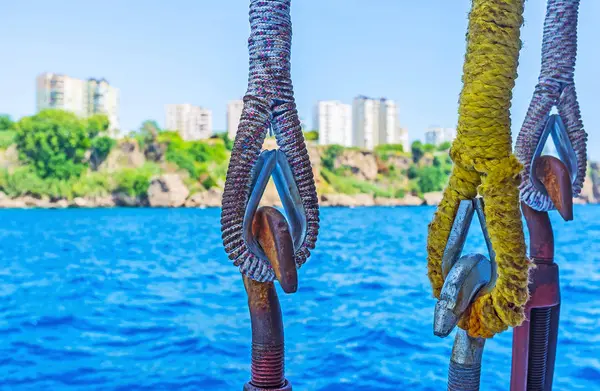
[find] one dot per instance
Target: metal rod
(534, 342)
(464, 373)
(268, 359)
(539, 333)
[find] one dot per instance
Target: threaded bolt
(268, 366)
(463, 377)
(538, 348)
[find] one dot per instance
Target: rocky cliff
(348, 177)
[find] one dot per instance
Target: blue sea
(145, 299)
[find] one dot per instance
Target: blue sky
(194, 51)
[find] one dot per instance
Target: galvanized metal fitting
(466, 277)
(464, 372)
(274, 163)
(555, 127)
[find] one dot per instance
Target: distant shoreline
(157, 168)
(61, 206)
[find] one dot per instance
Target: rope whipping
(556, 87)
(268, 103)
(484, 164)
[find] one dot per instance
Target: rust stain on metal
(273, 234)
(541, 237)
(271, 230)
(258, 293)
(534, 342)
(555, 177)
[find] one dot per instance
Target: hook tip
(273, 233)
(553, 174)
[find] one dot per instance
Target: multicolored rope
(268, 103)
(556, 87)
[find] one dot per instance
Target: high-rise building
(449, 134)
(234, 113)
(82, 97)
(375, 121)
(365, 122)
(388, 122)
(333, 120)
(402, 138)
(192, 122)
(437, 136)
(434, 136)
(103, 99)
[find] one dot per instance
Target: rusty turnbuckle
(534, 342)
(271, 230)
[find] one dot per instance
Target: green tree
(54, 142)
(417, 151)
(147, 134)
(7, 133)
(444, 146)
(412, 172)
(150, 126)
(101, 147)
(5, 123)
(97, 124)
(226, 140)
(196, 157)
(132, 182)
(431, 179)
(329, 156)
(312, 135)
(389, 148)
(428, 148)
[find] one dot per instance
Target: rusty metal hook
(271, 230)
(534, 342)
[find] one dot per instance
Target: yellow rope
(484, 164)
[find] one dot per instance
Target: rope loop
(268, 103)
(555, 88)
(484, 164)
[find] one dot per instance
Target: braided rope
(556, 87)
(269, 102)
(484, 163)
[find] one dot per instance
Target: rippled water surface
(130, 299)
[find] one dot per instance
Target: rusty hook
(555, 177)
(534, 342)
(273, 234)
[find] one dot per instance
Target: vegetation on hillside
(61, 156)
(418, 178)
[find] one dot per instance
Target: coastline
(212, 199)
(160, 169)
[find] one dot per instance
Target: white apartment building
(388, 122)
(375, 121)
(437, 136)
(434, 136)
(82, 97)
(449, 134)
(333, 120)
(192, 122)
(365, 122)
(402, 138)
(234, 113)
